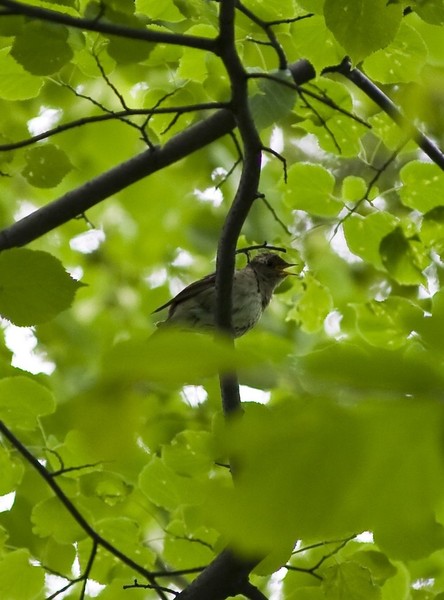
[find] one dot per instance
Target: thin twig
(111, 116)
(73, 511)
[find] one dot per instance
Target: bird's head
(271, 267)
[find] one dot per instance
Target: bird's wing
(191, 290)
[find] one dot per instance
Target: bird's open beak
(284, 268)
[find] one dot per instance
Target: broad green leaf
(402, 60)
(193, 63)
(23, 401)
(167, 489)
(362, 26)
(125, 534)
(326, 461)
(20, 579)
(110, 487)
(387, 324)
(431, 11)
(431, 329)
(399, 256)
(122, 50)
(313, 305)
(12, 25)
(337, 131)
(42, 48)
(180, 549)
(389, 132)
(17, 84)
(60, 556)
(422, 186)
(306, 36)
(34, 286)
(11, 469)
(164, 11)
(432, 230)
(350, 580)
(377, 563)
(364, 235)
(409, 371)
(353, 188)
(46, 166)
(189, 453)
(190, 358)
(310, 188)
(274, 100)
(51, 519)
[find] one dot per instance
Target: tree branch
(132, 33)
(225, 576)
(79, 200)
(109, 116)
(385, 103)
(97, 539)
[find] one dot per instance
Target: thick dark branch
(81, 199)
(132, 33)
(225, 576)
(246, 192)
(97, 539)
(384, 102)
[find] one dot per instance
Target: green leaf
(42, 48)
(432, 230)
(18, 578)
(310, 188)
(362, 26)
(387, 324)
(46, 166)
(274, 100)
(431, 11)
(399, 256)
(23, 402)
(164, 11)
(364, 235)
(11, 469)
(353, 188)
(189, 453)
(307, 34)
(423, 186)
(409, 371)
(311, 457)
(313, 305)
(349, 580)
(125, 534)
(51, 519)
(34, 287)
(166, 488)
(335, 131)
(190, 358)
(402, 60)
(123, 50)
(17, 84)
(377, 564)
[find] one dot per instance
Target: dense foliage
(130, 136)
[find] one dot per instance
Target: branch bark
(132, 33)
(81, 199)
(97, 539)
(389, 107)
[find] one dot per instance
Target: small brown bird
(253, 287)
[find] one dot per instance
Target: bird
(253, 286)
